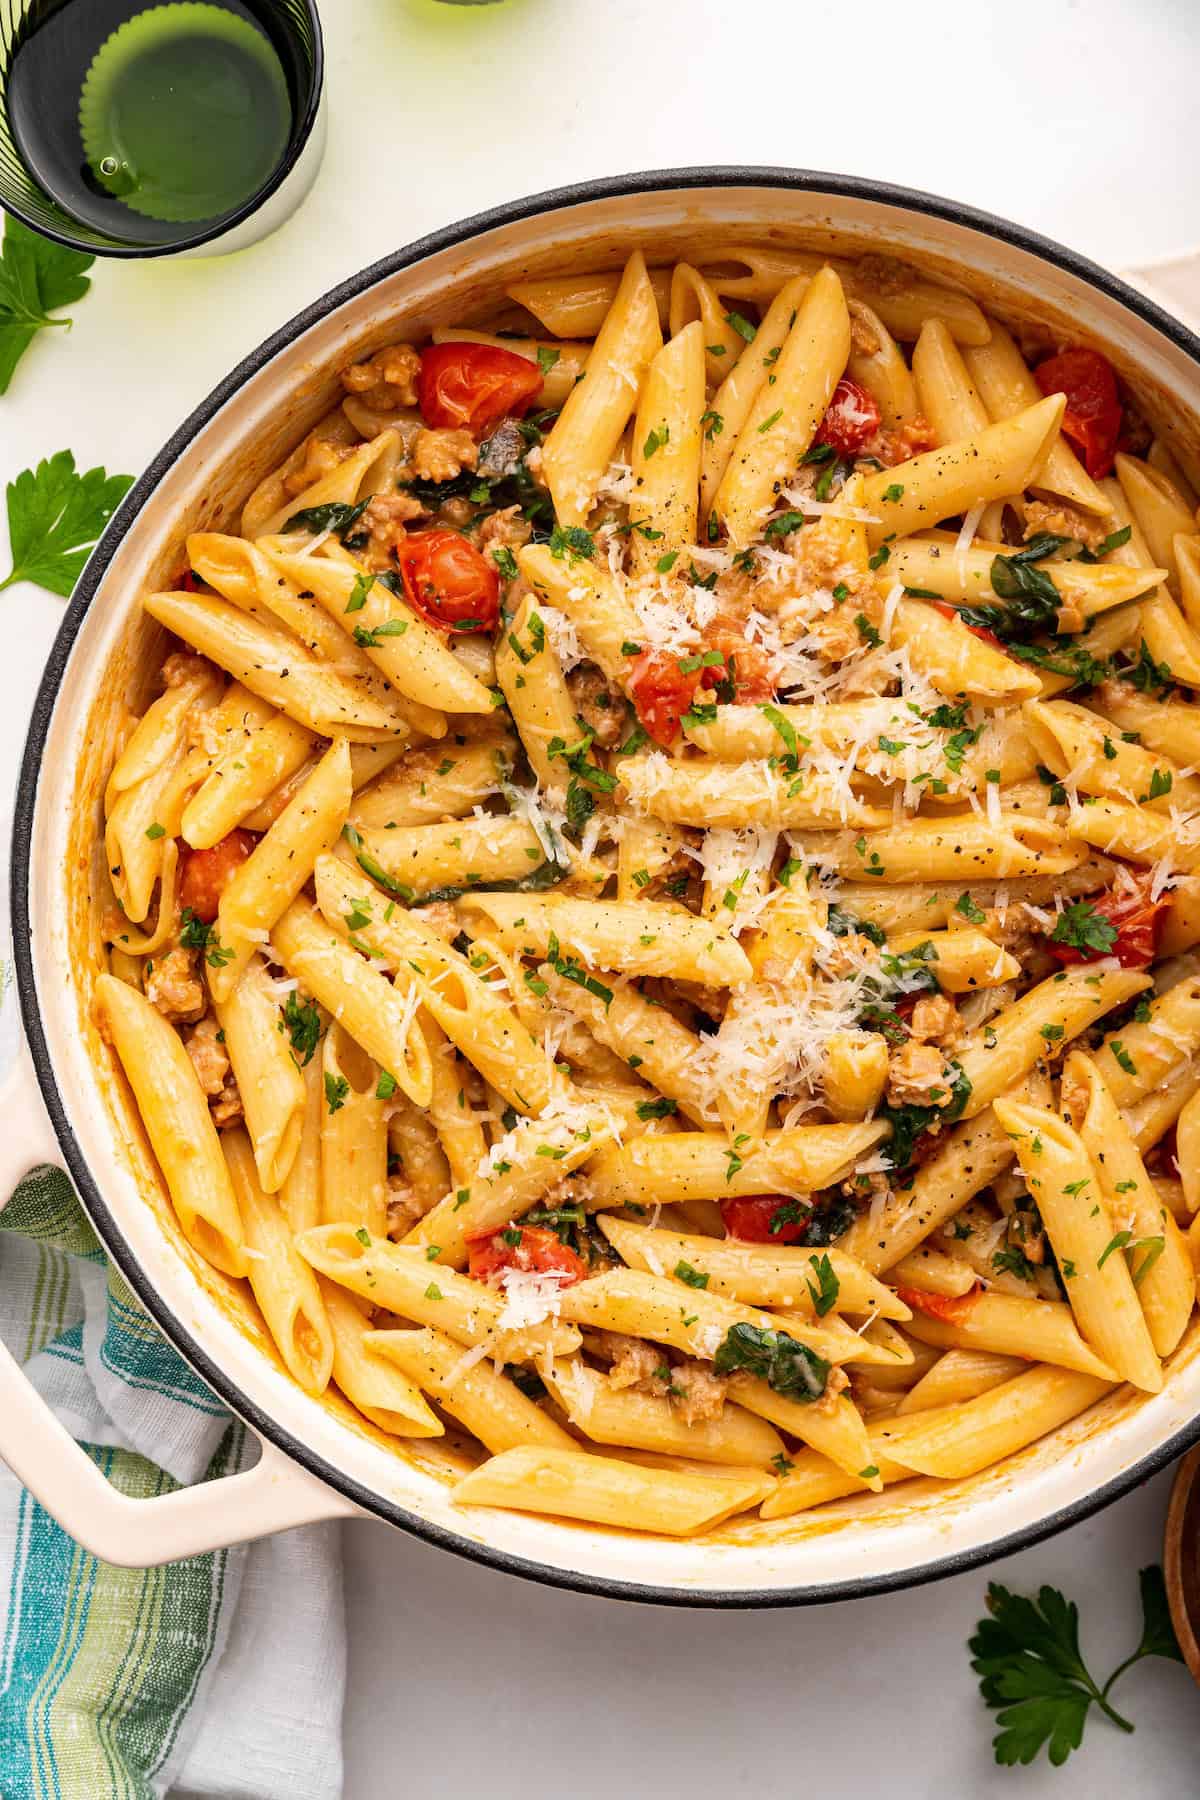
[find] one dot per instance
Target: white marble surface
(1077, 119)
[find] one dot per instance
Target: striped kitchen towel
(222, 1675)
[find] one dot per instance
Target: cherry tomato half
(448, 582)
(850, 419)
(207, 873)
(953, 1308)
(1135, 917)
(536, 1249)
(661, 693)
(475, 385)
(751, 1217)
(1093, 417)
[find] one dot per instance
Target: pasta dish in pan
(655, 916)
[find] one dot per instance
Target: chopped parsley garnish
(825, 1293)
(1083, 928)
(656, 1109)
(783, 525)
(302, 1020)
(358, 593)
(337, 1090)
(1117, 1242)
(196, 935)
(660, 435)
(572, 541)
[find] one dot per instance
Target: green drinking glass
(129, 129)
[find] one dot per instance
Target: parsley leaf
(1032, 1673)
(572, 542)
(303, 1022)
(742, 326)
(825, 1294)
(55, 516)
(36, 278)
(1081, 926)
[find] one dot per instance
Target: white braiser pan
(62, 1103)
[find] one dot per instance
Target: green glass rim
(52, 221)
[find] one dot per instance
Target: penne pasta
(651, 903)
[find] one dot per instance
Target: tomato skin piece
(1094, 414)
(540, 1250)
(1135, 916)
(851, 417)
(951, 1308)
(474, 386)
(749, 663)
(980, 631)
(448, 582)
(207, 873)
(661, 693)
(748, 1217)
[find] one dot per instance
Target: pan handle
(274, 1495)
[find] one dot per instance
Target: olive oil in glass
(151, 123)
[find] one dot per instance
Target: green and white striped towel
(222, 1675)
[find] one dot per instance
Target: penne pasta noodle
(380, 1390)
(398, 1279)
(469, 1388)
(264, 886)
(1006, 386)
(736, 1435)
(598, 408)
(270, 1084)
(990, 465)
(374, 1011)
(701, 1165)
(354, 1137)
(651, 896)
(1063, 1181)
(665, 456)
(175, 1114)
(604, 934)
(783, 418)
(605, 1490)
(762, 1274)
(284, 1286)
(1156, 1252)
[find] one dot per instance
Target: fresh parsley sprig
(1032, 1673)
(37, 277)
(55, 516)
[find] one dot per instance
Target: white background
(1076, 117)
